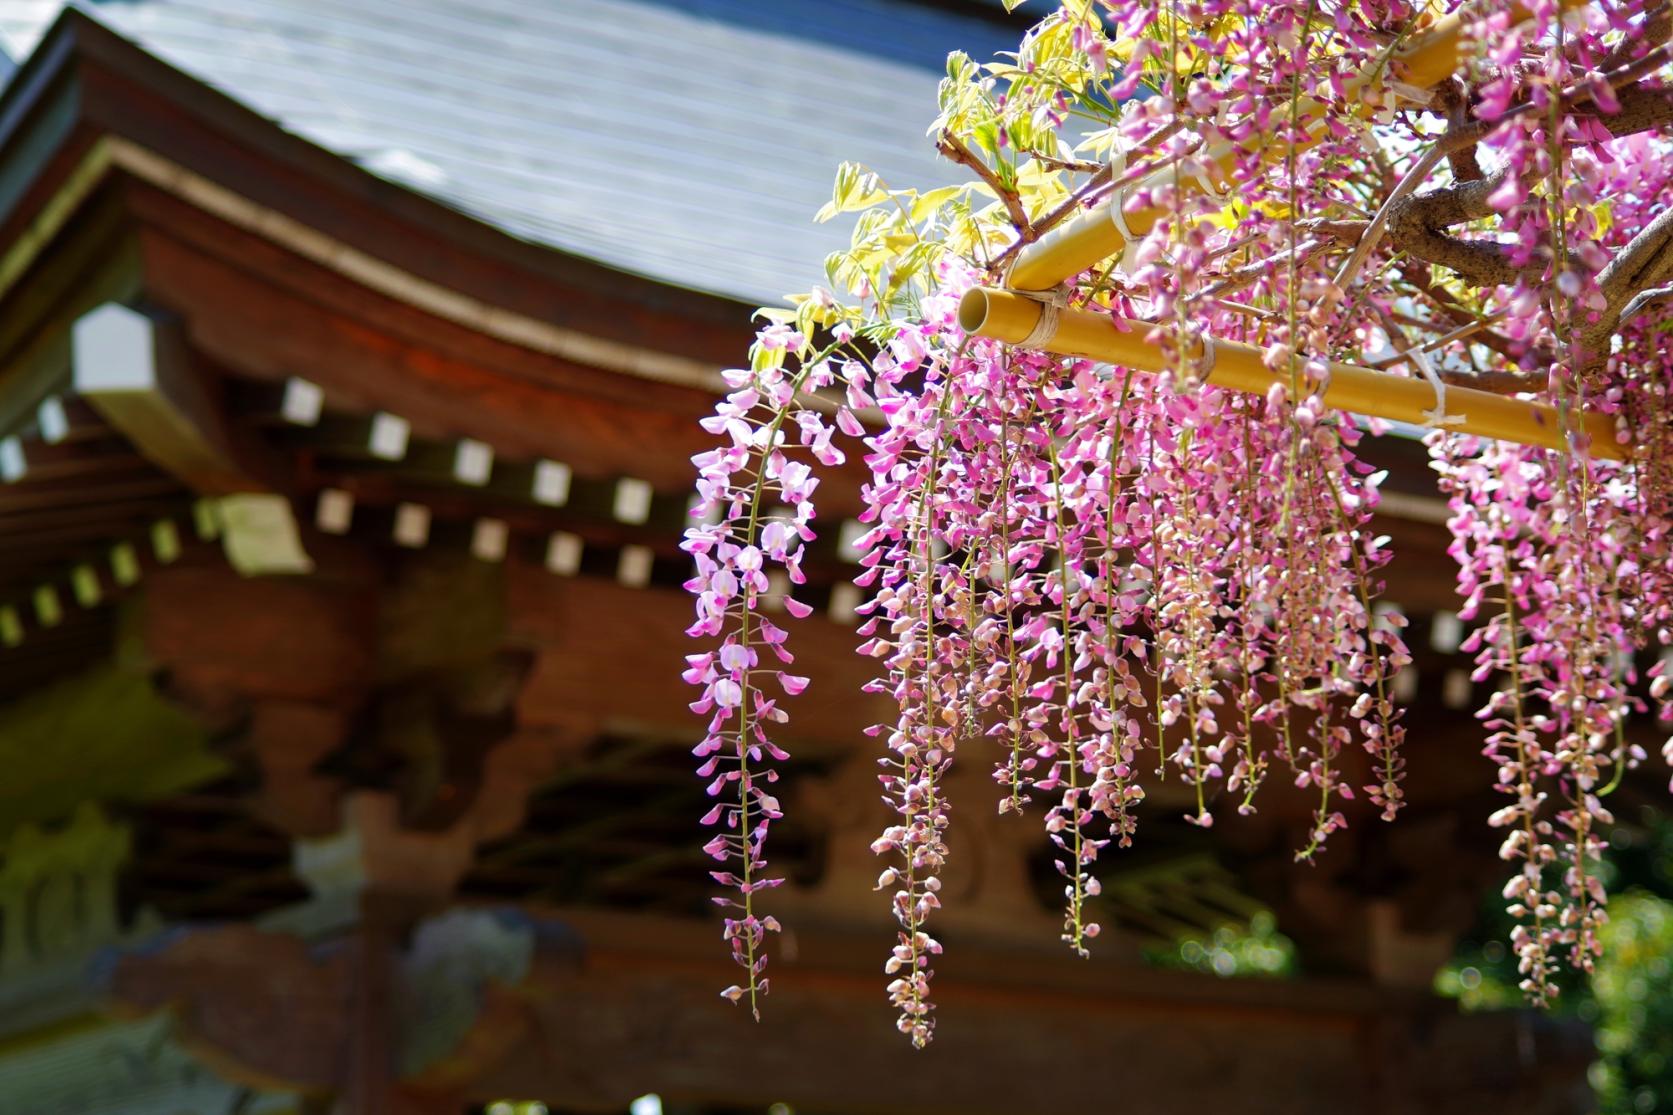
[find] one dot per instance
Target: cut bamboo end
(1009, 317)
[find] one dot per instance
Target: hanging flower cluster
(1054, 573)
(740, 487)
(1565, 557)
(1091, 578)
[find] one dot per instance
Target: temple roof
(688, 142)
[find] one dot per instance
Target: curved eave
(84, 81)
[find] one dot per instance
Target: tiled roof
(689, 141)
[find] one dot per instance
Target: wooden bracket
(134, 369)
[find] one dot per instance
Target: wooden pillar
(393, 876)
(370, 1084)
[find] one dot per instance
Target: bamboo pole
(1093, 235)
(1009, 317)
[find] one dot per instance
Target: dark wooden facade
(338, 564)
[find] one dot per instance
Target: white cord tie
(1205, 183)
(1052, 304)
(1436, 418)
(1205, 180)
(1209, 189)
(1118, 205)
(1409, 93)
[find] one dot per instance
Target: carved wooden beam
(295, 639)
(134, 369)
(586, 632)
(588, 1010)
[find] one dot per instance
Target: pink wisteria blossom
(1090, 579)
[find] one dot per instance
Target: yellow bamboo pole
(1093, 235)
(1009, 317)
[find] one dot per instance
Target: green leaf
(855, 188)
(928, 204)
(761, 359)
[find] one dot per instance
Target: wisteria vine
(1092, 579)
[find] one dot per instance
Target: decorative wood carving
(268, 1010)
(400, 677)
(288, 740)
(263, 1009)
(444, 978)
(374, 853)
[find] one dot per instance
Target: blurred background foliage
(1255, 950)
(1629, 1001)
